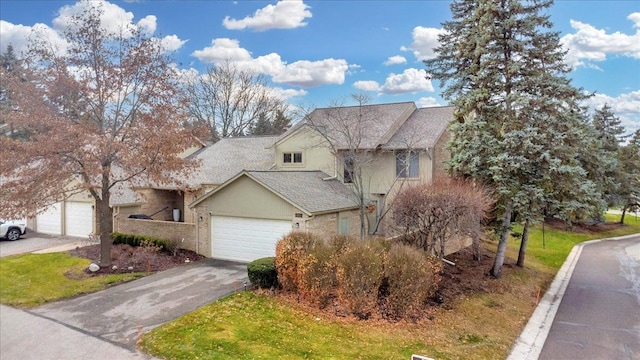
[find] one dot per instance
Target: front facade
(251, 191)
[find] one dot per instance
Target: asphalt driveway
(121, 313)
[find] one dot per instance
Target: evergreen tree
(263, 126)
(518, 121)
(609, 133)
(629, 158)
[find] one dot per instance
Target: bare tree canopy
(106, 111)
(230, 100)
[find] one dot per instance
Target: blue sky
(319, 52)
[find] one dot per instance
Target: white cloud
(18, 36)
(148, 24)
(306, 73)
(172, 43)
(589, 44)
(303, 73)
(424, 102)
(394, 60)
(410, 81)
(625, 106)
(424, 41)
(222, 49)
(288, 93)
(367, 85)
(114, 19)
(288, 14)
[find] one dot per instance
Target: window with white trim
(292, 158)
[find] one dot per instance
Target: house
(315, 177)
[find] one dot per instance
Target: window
(292, 158)
(407, 164)
(348, 170)
(344, 226)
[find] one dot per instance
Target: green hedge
(137, 240)
(262, 272)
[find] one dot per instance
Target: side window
(348, 170)
(344, 226)
(407, 164)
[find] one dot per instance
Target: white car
(12, 230)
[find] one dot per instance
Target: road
(33, 241)
(599, 316)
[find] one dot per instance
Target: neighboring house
(250, 191)
(74, 216)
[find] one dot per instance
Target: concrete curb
(530, 342)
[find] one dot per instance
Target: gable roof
(385, 126)
(224, 159)
(364, 127)
(306, 190)
(422, 129)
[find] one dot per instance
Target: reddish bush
(289, 252)
(317, 275)
(359, 271)
(410, 278)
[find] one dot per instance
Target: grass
(33, 279)
(482, 326)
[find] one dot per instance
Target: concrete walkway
(113, 319)
(532, 339)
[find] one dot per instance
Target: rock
(94, 267)
(130, 268)
(187, 260)
(114, 267)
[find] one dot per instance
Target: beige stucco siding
(245, 198)
(316, 155)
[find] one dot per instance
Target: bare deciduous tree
(428, 216)
(105, 112)
(230, 100)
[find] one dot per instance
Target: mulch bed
(127, 259)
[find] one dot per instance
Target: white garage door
(50, 221)
(78, 218)
(243, 239)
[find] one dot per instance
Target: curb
(530, 342)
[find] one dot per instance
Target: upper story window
(292, 158)
(348, 170)
(407, 164)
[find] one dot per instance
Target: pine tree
(629, 158)
(518, 124)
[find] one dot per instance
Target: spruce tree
(518, 119)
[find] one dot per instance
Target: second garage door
(78, 218)
(245, 239)
(50, 221)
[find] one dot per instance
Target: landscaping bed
(126, 258)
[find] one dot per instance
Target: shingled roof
(422, 129)
(227, 157)
(313, 192)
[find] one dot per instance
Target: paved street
(599, 316)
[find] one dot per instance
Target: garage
(245, 239)
(50, 221)
(78, 218)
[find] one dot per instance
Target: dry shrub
(317, 278)
(289, 252)
(359, 271)
(411, 278)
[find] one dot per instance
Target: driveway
(121, 313)
(33, 241)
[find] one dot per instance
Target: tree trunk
(624, 212)
(105, 217)
(523, 243)
(475, 246)
(496, 270)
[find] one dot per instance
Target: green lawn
(34, 279)
(483, 326)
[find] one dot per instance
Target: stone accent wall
(328, 225)
(203, 229)
(160, 229)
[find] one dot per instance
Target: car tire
(13, 234)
